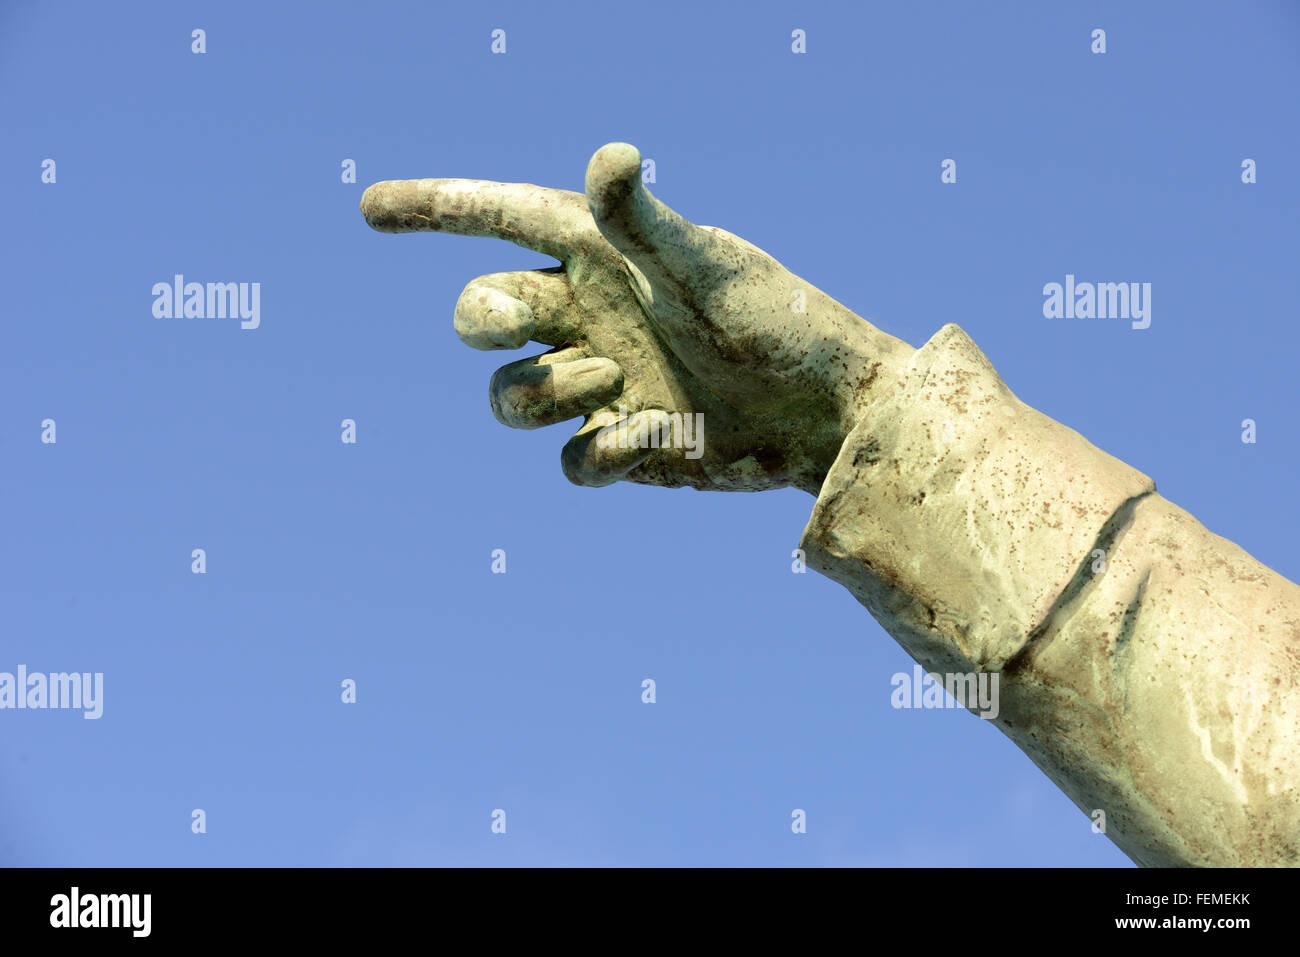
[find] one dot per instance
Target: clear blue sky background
(522, 691)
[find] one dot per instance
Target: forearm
(864, 363)
(971, 526)
(1163, 691)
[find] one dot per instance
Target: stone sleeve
(1149, 667)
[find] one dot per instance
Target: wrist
(872, 362)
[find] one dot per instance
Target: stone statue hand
(695, 357)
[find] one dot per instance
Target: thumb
(666, 247)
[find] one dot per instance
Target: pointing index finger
(554, 222)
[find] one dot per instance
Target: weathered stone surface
(698, 320)
(1161, 689)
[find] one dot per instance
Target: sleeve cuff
(958, 515)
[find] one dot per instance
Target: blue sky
(372, 561)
